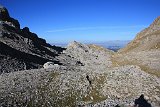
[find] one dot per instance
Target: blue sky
(84, 20)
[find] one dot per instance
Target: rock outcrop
(21, 49)
(4, 16)
(90, 55)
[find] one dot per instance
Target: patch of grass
(129, 47)
(100, 79)
(68, 101)
(117, 61)
(54, 75)
(67, 98)
(156, 46)
(150, 71)
(96, 47)
(94, 94)
(114, 62)
(51, 77)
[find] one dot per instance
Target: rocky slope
(87, 75)
(21, 49)
(143, 51)
(67, 85)
(147, 39)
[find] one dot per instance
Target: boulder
(49, 65)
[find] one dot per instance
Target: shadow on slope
(29, 60)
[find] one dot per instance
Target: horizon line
(92, 28)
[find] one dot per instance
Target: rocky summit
(79, 75)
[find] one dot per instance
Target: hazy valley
(111, 45)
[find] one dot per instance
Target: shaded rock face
(147, 39)
(21, 49)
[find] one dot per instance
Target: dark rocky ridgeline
(4, 16)
(21, 49)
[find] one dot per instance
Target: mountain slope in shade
(21, 49)
(147, 39)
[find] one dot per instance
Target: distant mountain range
(114, 45)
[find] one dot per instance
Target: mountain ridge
(29, 50)
(149, 36)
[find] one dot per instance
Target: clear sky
(84, 20)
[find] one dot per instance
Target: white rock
(48, 65)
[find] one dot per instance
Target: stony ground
(67, 85)
(148, 61)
